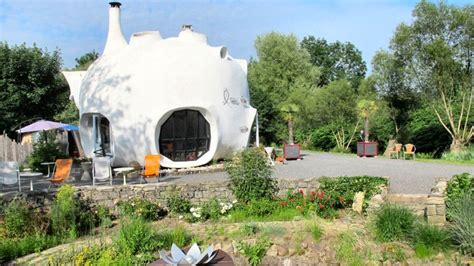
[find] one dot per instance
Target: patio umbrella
(71, 128)
(41, 125)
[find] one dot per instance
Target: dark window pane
(184, 136)
(191, 123)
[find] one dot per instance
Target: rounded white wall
(140, 86)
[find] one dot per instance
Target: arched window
(184, 136)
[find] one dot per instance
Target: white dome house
(178, 97)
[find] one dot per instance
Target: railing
(13, 151)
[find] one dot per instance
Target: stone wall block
(441, 209)
(431, 210)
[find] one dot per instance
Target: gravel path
(408, 177)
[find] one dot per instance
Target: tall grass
(394, 222)
(461, 212)
(466, 154)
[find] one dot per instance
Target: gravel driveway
(408, 177)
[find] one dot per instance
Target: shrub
(249, 229)
(394, 223)
(430, 238)
(250, 175)
(345, 187)
(135, 236)
(142, 208)
(458, 186)
(178, 204)
(461, 212)
(45, 150)
(17, 221)
(254, 253)
(71, 215)
(261, 208)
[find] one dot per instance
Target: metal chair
(10, 174)
(101, 170)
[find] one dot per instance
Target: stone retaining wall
(431, 206)
(108, 196)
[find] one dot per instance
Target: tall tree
(281, 68)
(337, 60)
(30, 84)
(336, 106)
(83, 62)
(437, 51)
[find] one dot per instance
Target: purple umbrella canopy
(41, 125)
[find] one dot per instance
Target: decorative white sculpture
(178, 97)
(193, 257)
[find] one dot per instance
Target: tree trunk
(290, 131)
(456, 145)
(366, 129)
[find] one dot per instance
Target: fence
(12, 151)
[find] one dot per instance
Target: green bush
(45, 150)
(250, 175)
(342, 189)
(430, 238)
(178, 204)
(14, 248)
(142, 208)
(261, 208)
(254, 253)
(135, 237)
(458, 186)
(394, 223)
(322, 138)
(17, 220)
(70, 215)
(461, 212)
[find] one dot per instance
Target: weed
(345, 249)
(393, 252)
(431, 237)
(178, 204)
(249, 229)
(135, 236)
(274, 230)
(394, 223)
(254, 253)
(17, 219)
(142, 208)
(315, 230)
(298, 240)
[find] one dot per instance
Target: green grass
(238, 216)
(440, 161)
(345, 250)
(394, 222)
(315, 230)
(15, 248)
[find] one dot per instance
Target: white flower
(180, 217)
(234, 201)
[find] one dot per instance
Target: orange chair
(409, 150)
(151, 168)
(396, 150)
(61, 171)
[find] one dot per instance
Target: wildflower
(298, 207)
(301, 192)
(180, 217)
(321, 206)
(234, 201)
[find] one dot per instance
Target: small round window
(184, 136)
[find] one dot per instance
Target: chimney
(115, 39)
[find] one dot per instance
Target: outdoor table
(29, 175)
(123, 171)
(49, 166)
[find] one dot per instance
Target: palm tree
(288, 110)
(366, 108)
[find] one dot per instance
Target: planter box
(365, 149)
(292, 151)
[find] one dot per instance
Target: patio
(407, 177)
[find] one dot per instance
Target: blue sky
(79, 26)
